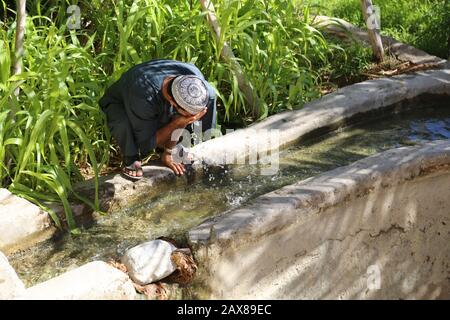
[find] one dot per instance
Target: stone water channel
(177, 210)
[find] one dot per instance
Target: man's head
(188, 93)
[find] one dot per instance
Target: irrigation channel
(179, 209)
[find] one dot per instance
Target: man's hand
(183, 121)
(164, 135)
(167, 160)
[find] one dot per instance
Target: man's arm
(164, 135)
(164, 139)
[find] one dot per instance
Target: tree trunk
(373, 29)
(228, 56)
(20, 34)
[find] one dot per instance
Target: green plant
(349, 61)
(57, 126)
(278, 48)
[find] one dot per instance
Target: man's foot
(133, 171)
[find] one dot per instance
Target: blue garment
(136, 109)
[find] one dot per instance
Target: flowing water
(174, 212)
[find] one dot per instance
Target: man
(152, 100)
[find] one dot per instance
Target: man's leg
(121, 130)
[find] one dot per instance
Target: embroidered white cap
(190, 93)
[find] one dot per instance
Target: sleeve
(111, 95)
(141, 107)
(209, 120)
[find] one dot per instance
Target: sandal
(134, 168)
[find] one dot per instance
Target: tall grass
(58, 127)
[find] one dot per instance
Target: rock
(92, 281)
(22, 223)
(10, 284)
(149, 261)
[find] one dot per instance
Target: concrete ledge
(10, 284)
(93, 281)
(319, 237)
(22, 223)
(117, 192)
(287, 128)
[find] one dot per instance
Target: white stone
(10, 284)
(21, 221)
(93, 281)
(149, 261)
